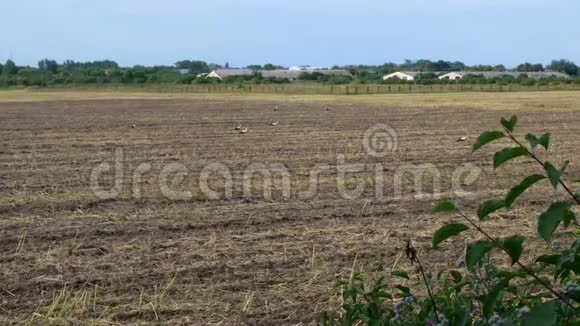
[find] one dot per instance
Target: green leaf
(548, 259)
(533, 140)
(492, 297)
(462, 317)
(457, 277)
(489, 207)
(486, 138)
(554, 174)
(513, 245)
(400, 274)
(510, 124)
(544, 140)
(403, 289)
(447, 231)
(510, 275)
(516, 191)
(444, 206)
(507, 154)
(549, 220)
(569, 216)
(475, 252)
(543, 314)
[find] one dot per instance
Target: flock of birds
(245, 130)
(275, 123)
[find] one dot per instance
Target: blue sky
(290, 32)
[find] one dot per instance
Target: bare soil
(67, 256)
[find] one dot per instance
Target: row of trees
(50, 72)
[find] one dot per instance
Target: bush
(526, 81)
(546, 292)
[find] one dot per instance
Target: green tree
(9, 68)
(499, 68)
(530, 67)
(47, 65)
(195, 66)
(254, 67)
(565, 66)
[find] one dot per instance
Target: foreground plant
(544, 292)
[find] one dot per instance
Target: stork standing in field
(238, 127)
(243, 131)
(275, 123)
(276, 108)
(462, 139)
(133, 126)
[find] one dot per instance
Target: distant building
(305, 68)
(404, 75)
(183, 71)
(277, 73)
(498, 74)
(547, 74)
(223, 73)
(452, 76)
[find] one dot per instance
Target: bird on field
(276, 108)
(238, 127)
(133, 126)
(462, 139)
(328, 109)
(243, 131)
(275, 123)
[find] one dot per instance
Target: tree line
(49, 72)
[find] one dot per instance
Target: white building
(404, 75)
(452, 76)
(297, 68)
(498, 74)
(223, 73)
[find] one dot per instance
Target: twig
(522, 266)
(412, 256)
(535, 157)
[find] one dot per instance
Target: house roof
(337, 72)
(278, 73)
(233, 72)
(515, 74)
(547, 74)
(408, 73)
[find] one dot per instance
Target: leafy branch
(557, 213)
(511, 246)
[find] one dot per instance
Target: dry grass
(68, 257)
(549, 100)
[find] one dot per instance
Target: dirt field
(67, 255)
